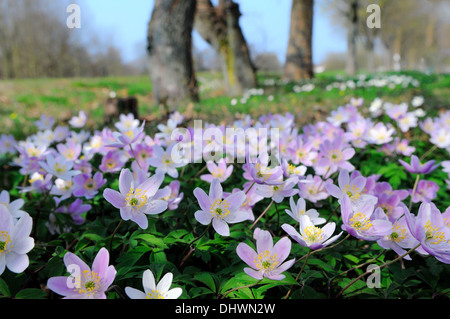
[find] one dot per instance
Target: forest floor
(23, 101)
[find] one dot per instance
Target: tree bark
(219, 26)
(299, 64)
(352, 65)
(170, 52)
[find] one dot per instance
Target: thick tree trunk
(299, 64)
(170, 52)
(219, 26)
(352, 65)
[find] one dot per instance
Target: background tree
(219, 26)
(170, 52)
(299, 64)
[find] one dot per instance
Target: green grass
(23, 101)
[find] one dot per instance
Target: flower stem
(246, 192)
(300, 273)
(237, 288)
(263, 213)
(324, 248)
(134, 155)
(428, 152)
(113, 234)
(370, 271)
(191, 249)
(413, 191)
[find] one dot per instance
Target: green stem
(263, 213)
(113, 234)
(191, 249)
(134, 155)
(370, 271)
(428, 152)
(300, 273)
(237, 288)
(246, 192)
(414, 191)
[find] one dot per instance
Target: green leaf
(31, 293)
(4, 289)
(207, 279)
(352, 258)
(152, 240)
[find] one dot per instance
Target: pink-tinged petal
(22, 227)
(150, 186)
(60, 285)
(141, 220)
(207, 178)
(203, 199)
(236, 200)
(133, 293)
(346, 208)
(6, 220)
(236, 217)
(156, 207)
(221, 227)
(415, 162)
(23, 245)
(16, 205)
(275, 276)
(215, 190)
(101, 262)
(17, 262)
(71, 259)
(282, 249)
(294, 234)
(264, 241)
(114, 198)
(348, 153)
(158, 151)
(211, 166)
(125, 181)
(247, 254)
(284, 266)
(125, 213)
(332, 239)
(344, 178)
(2, 263)
(203, 217)
(109, 276)
(333, 190)
(253, 273)
(359, 182)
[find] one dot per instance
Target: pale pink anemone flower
(84, 283)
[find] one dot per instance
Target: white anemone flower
(155, 291)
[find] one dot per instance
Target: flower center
(398, 232)
(5, 243)
(335, 155)
(220, 208)
(352, 191)
(90, 184)
(266, 262)
(87, 283)
(155, 294)
(433, 235)
(135, 199)
(360, 223)
(218, 173)
(110, 163)
(313, 234)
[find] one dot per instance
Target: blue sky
(265, 24)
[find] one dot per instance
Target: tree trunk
(352, 65)
(299, 64)
(219, 26)
(170, 52)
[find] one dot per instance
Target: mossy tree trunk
(299, 64)
(169, 39)
(219, 26)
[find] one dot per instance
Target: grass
(23, 101)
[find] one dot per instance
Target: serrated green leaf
(4, 289)
(152, 240)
